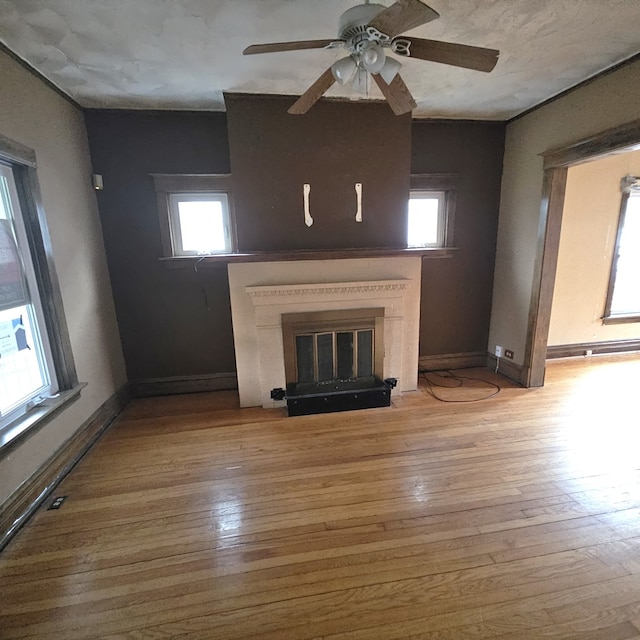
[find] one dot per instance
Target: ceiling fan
(365, 31)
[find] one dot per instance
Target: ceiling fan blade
(289, 46)
(458, 55)
(402, 16)
(396, 93)
(312, 94)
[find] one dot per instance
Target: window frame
(446, 183)
(22, 161)
(168, 186)
(630, 185)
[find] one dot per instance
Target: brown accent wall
(456, 293)
(333, 146)
(173, 322)
(177, 322)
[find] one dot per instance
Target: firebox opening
(334, 359)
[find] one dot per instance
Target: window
(431, 210)
(623, 297)
(425, 223)
(35, 357)
(195, 214)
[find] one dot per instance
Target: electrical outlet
(57, 503)
(498, 351)
(508, 354)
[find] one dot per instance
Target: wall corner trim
(30, 495)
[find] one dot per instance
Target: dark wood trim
(166, 184)
(628, 319)
(596, 348)
(27, 425)
(42, 255)
(507, 368)
(15, 152)
(183, 384)
(434, 181)
(452, 361)
(626, 137)
(552, 205)
(556, 162)
(583, 83)
(33, 71)
(27, 498)
(191, 262)
(447, 182)
(192, 182)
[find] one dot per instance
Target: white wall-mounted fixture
(306, 190)
(358, 187)
(96, 181)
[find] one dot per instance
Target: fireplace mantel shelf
(304, 254)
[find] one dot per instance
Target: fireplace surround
(263, 293)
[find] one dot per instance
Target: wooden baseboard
(507, 368)
(452, 361)
(183, 384)
(596, 348)
(23, 503)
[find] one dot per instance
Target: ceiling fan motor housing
(354, 21)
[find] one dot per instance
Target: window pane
(626, 290)
(24, 368)
(22, 371)
(423, 219)
(365, 353)
(202, 226)
(13, 285)
(305, 359)
(325, 356)
(344, 349)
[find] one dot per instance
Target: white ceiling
(182, 54)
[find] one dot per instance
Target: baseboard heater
(338, 395)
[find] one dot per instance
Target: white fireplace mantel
(262, 292)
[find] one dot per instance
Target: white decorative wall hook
(308, 220)
(359, 201)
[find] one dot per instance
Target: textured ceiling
(182, 54)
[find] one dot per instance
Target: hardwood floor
(512, 517)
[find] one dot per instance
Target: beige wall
(35, 116)
(612, 100)
(587, 241)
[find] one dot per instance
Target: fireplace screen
(334, 355)
(331, 346)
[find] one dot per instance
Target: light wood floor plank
(514, 517)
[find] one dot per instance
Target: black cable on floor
(458, 383)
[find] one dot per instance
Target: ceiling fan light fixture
(343, 69)
(373, 58)
(390, 69)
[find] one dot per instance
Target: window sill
(33, 420)
(621, 319)
(177, 262)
